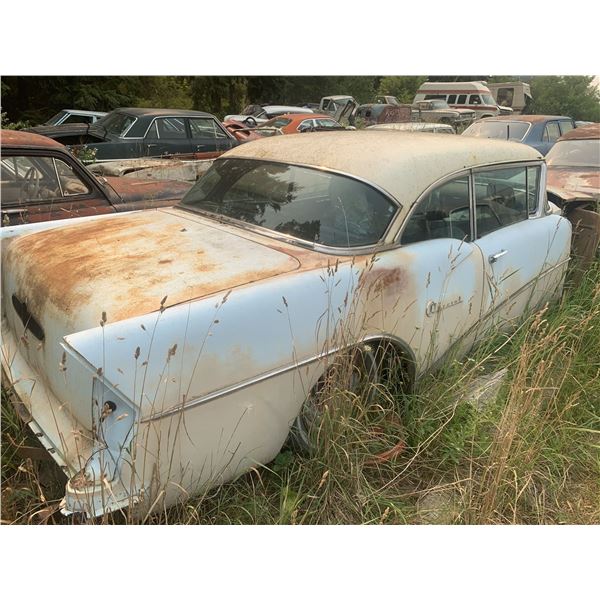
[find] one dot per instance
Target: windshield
(313, 205)
(488, 99)
(498, 130)
(116, 123)
(57, 118)
(277, 122)
(574, 153)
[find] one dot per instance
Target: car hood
(151, 192)
(130, 265)
(574, 182)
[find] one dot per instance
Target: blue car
(538, 131)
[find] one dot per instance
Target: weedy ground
(528, 452)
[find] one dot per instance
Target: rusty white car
(158, 354)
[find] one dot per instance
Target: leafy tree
(404, 88)
(574, 96)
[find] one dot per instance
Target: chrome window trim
(470, 172)
(380, 245)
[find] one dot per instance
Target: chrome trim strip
(210, 397)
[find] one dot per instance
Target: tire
(365, 366)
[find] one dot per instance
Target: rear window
(498, 130)
(116, 123)
(309, 204)
(574, 153)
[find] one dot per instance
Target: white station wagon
(159, 353)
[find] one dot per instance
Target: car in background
(416, 127)
(370, 114)
(42, 181)
(300, 122)
(512, 94)
(142, 132)
(72, 115)
(185, 345)
(438, 111)
(573, 184)
(387, 100)
(463, 94)
(258, 114)
(538, 131)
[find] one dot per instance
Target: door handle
(494, 257)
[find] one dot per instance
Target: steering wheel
(31, 183)
(250, 121)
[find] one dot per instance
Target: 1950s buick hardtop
(162, 352)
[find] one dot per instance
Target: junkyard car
(161, 353)
(72, 115)
(438, 111)
(42, 181)
(258, 114)
(573, 184)
(141, 132)
(416, 126)
(300, 122)
(538, 131)
(371, 114)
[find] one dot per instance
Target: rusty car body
(161, 353)
(573, 184)
(438, 111)
(258, 114)
(126, 133)
(41, 181)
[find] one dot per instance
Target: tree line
(34, 99)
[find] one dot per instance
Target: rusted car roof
(404, 166)
(26, 139)
(589, 132)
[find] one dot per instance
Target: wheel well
(397, 361)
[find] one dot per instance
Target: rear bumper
(70, 445)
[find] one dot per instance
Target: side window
(71, 184)
(462, 99)
(205, 128)
(28, 179)
(474, 99)
(452, 99)
(501, 198)
(565, 126)
(551, 132)
(171, 128)
(533, 189)
(443, 213)
(505, 96)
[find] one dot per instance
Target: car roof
(9, 137)
(527, 118)
(76, 111)
(295, 109)
(162, 112)
(403, 165)
(587, 132)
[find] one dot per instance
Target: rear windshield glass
(116, 123)
(575, 153)
(498, 130)
(313, 205)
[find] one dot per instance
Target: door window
(565, 126)
(28, 179)
(501, 198)
(551, 132)
(206, 128)
(444, 213)
(474, 99)
(533, 189)
(171, 128)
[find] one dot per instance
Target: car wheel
(357, 371)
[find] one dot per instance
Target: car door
(208, 138)
(525, 251)
(38, 187)
(437, 253)
(166, 136)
